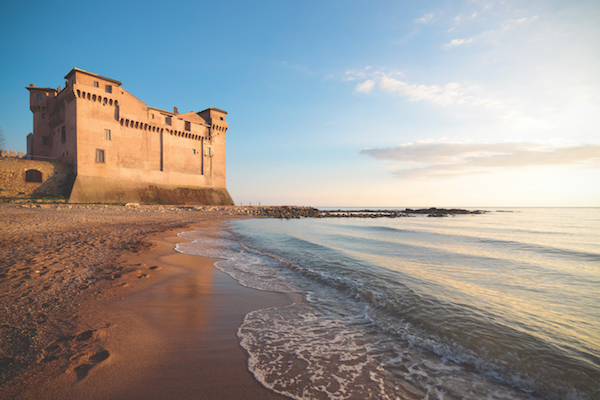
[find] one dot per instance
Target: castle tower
(125, 151)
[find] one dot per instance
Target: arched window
(33, 175)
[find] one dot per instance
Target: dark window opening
(99, 156)
(46, 140)
(96, 84)
(188, 126)
(108, 88)
(33, 175)
(168, 120)
(39, 96)
(221, 118)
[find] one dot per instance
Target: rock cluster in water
(283, 212)
(311, 212)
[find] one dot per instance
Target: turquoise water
(504, 305)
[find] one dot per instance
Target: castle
(122, 150)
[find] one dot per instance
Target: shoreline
(161, 323)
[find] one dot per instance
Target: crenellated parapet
(12, 154)
(119, 145)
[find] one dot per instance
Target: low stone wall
(56, 178)
(92, 189)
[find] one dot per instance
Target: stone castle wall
(20, 176)
(121, 150)
(94, 189)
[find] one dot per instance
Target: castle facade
(122, 150)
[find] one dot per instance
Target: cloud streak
(457, 42)
(453, 93)
(428, 159)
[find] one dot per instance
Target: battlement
(109, 135)
(12, 154)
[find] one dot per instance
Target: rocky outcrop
(311, 212)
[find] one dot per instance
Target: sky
(463, 103)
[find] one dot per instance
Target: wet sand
(96, 304)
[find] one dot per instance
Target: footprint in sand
(83, 370)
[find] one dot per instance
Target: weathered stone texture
(93, 189)
(107, 133)
(57, 178)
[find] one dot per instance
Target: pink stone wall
(146, 145)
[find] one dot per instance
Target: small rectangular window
(168, 120)
(63, 134)
(188, 126)
(99, 156)
(43, 115)
(107, 134)
(108, 88)
(46, 140)
(193, 151)
(209, 151)
(96, 84)
(39, 96)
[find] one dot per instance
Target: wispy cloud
(352, 74)
(516, 22)
(425, 18)
(452, 93)
(430, 159)
(489, 35)
(457, 42)
(365, 87)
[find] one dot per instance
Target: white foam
(336, 344)
(298, 352)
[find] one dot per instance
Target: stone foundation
(90, 189)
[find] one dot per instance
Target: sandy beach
(96, 304)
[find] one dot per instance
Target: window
(46, 140)
(152, 116)
(209, 151)
(193, 151)
(221, 118)
(107, 134)
(108, 88)
(39, 96)
(63, 134)
(168, 120)
(33, 175)
(188, 126)
(99, 156)
(96, 84)
(43, 115)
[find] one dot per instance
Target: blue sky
(350, 103)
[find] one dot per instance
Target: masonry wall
(56, 178)
(147, 144)
(122, 150)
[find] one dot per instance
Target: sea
(499, 305)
